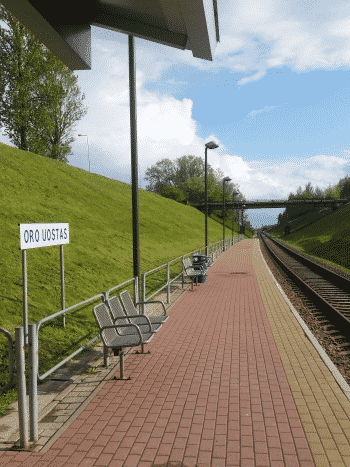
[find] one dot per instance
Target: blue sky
(275, 98)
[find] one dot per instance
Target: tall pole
(134, 164)
(206, 201)
(210, 145)
(88, 152)
(25, 296)
(223, 211)
(226, 179)
(233, 212)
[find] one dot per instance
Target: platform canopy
(64, 27)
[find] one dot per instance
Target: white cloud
(286, 176)
(267, 108)
(301, 35)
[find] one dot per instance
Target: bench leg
(121, 366)
(105, 356)
(142, 350)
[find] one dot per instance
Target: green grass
(326, 237)
(35, 189)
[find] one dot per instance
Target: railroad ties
(324, 291)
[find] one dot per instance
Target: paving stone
(229, 381)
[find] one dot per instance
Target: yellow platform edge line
(320, 393)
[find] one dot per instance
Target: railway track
(324, 293)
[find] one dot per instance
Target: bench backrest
(103, 318)
(128, 304)
(118, 313)
(188, 267)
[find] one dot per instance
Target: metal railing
(34, 376)
(11, 362)
(33, 331)
(215, 249)
(76, 352)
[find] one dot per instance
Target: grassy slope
(305, 219)
(327, 238)
(35, 189)
(228, 224)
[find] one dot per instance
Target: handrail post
(183, 270)
(168, 281)
(33, 382)
(21, 382)
(63, 295)
(143, 292)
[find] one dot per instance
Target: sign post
(63, 297)
(37, 236)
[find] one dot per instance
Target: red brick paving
(213, 391)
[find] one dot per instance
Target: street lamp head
(211, 145)
(226, 179)
(235, 192)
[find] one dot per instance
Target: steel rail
(332, 313)
(332, 276)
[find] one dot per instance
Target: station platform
(232, 380)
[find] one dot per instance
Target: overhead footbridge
(334, 203)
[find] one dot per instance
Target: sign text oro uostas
(40, 235)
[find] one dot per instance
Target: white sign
(39, 235)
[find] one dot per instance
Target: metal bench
(130, 308)
(190, 272)
(141, 321)
(113, 335)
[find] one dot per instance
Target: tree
(188, 167)
(20, 71)
(176, 173)
(318, 193)
(54, 138)
(162, 174)
(38, 103)
(299, 193)
(344, 184)
(184, 179)
(193, 188)
(332, 192)
(172, 192)
(308, 192)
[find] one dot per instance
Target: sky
(275, 99)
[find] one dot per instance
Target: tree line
(340, 190)
(39, 98)
(183, 180)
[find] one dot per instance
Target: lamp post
(210, 145)
(234, 193)
(226, 179)
(88, 148)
